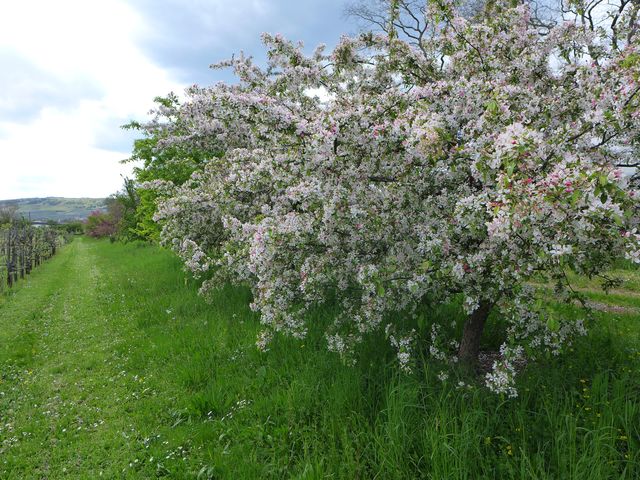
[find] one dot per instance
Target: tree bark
(472, 333)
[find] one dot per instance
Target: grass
(111, 366)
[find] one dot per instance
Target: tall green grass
(297, 411)
(221, 409)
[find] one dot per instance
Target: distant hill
(58, 209)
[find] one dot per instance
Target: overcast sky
(73, 71)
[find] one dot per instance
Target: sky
(73, 71)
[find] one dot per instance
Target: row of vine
(23, 247)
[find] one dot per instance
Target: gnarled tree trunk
(472, 333)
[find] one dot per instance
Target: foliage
(23, 247)
(146, 228)
(157, 160)
(73, 228)
(100, 224)
(472, 166)
(123, 208)
(120, 221)
(8, 215)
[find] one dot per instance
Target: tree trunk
(472, 333)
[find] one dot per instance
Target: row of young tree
(461, 151)
(24, 246)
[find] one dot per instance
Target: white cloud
(73, 71)
(55, 151)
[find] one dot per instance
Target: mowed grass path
(111, 366)
(78, 397)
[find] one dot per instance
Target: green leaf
(510, 168)
(575, 197)
(631, 60)
(552, 324)
(492, 107)
(603, 180)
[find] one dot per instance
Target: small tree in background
(123, 208)
(100, 224)
(8, 215)
(119, 222)
(72, 228)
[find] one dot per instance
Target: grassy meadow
(111, 366)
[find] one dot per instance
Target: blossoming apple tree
(383, 175)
